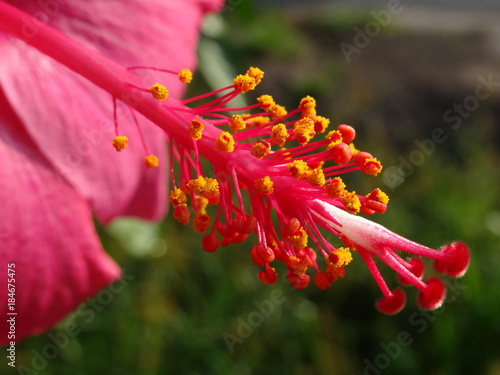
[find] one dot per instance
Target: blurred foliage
(181, 308)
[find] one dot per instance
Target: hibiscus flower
(57, 166)
(262, 166)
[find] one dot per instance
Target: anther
(260, 149)
(224, 142)
(159, 92)
(196, 129)
(120, 142)
(268, 276)
(201, 223)
(279, 134)
(335, 188)
(185, 75)
(151, 161)
(237, 123)
(264, 185)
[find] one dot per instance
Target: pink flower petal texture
(46, 237)
(71, 119)
(58, 166)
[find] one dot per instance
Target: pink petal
(71, 120)
(46, 230)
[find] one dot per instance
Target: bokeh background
(179, 310)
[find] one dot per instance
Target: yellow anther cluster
(316, 177)
(256, 74)
(178, 198)
(201, 223)
(120, 142)
(340, 257)
(244, 83)
(303, 130)
(279, 134)
(335, 188)
(379, 196)
(266, 102)
(372, 166)
(299, 169)
(260, 149)
(308, 106)
(185, 75)
(278, 111)
(200, 204)
(159, 92)
(196, 130)
(203, 185)
(258, 121)
(224, 142)
(351, 202)
(237, 123)
(151, 161)
(320, 124)
(354, 150)
(265, 185)
(334, 136)
(298, 240)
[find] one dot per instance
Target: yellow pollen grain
(320, 124)
(258, 121)
(196, 129)
(335, 188)
(308, 106)
(298, 240)
(200, 204)
(299, 169)
(266, 102)
(379, 196)
(159, 92)
(120, 142)
(211, 185)
(264, 185)
(303, 130)
(244, 83)
(224, 142)
(237, 123)
(342, 256)
(260, 149)
(279, 134)
(278, 111)
(334, 136)
(177, 198)
(316, 177)
(197, 185)
(372, 166)
(185, 75)
(351, 202)
(151, 161)
(256, 74)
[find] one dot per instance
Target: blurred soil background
(180, 304)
